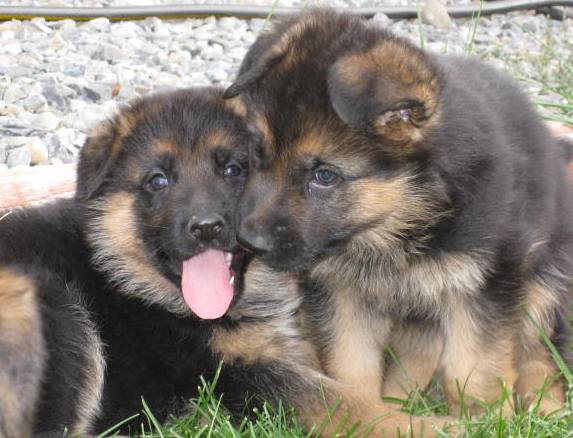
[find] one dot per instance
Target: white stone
(434, 12)
(13, 92)
(57, 42)
(38, 151)
(47, 121)
(19, 156)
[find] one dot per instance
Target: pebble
(20, 156)
(434, 12)
(38, 151)
(47, 121)
(59, 78)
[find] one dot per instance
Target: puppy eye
(325, 177)
(157, 181)
(232, 170)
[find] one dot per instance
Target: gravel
(58, 79)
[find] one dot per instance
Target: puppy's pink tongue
(205, 284)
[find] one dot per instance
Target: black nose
(205, 228)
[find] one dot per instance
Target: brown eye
(157, 181)
(232, 170)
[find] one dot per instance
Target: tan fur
(269, 330)
(319, 140)
(417, 348)
(473, 367)
(17, 304)
(284, 47)
(164, 147)
(263, 127)
(327, 405)
(536, 373)
(378, 198)
(117, 249)
(427, 284)
(404, 75)
(536, 367)
(539, 304)
(23, 346)
(356, 355)
(237, 106)
(219, 137)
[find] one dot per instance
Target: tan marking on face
(375, 199)
(313, 143)
(119, 252)
(262, 125)
(161, 147)
(216, 137)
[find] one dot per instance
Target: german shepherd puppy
(421, 199)
(97, 293)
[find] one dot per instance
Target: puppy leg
(475, 363)
(417, 349)
(353, 347)
(536, 369)
(21, 354)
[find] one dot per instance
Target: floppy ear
(98, 155)
(391, 89)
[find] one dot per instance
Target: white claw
(232, 280)
(228, 259)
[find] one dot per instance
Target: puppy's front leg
(417, 349)
(353, 345)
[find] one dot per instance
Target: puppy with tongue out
(207, 283)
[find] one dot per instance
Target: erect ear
(99, 154)
(391, 89)
(270, 49)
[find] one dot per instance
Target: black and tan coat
(422, 202)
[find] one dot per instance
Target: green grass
(208, 418)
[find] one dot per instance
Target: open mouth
(208, 282)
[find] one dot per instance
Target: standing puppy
(421, 199)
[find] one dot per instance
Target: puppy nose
(252, 239)
(205, 228)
